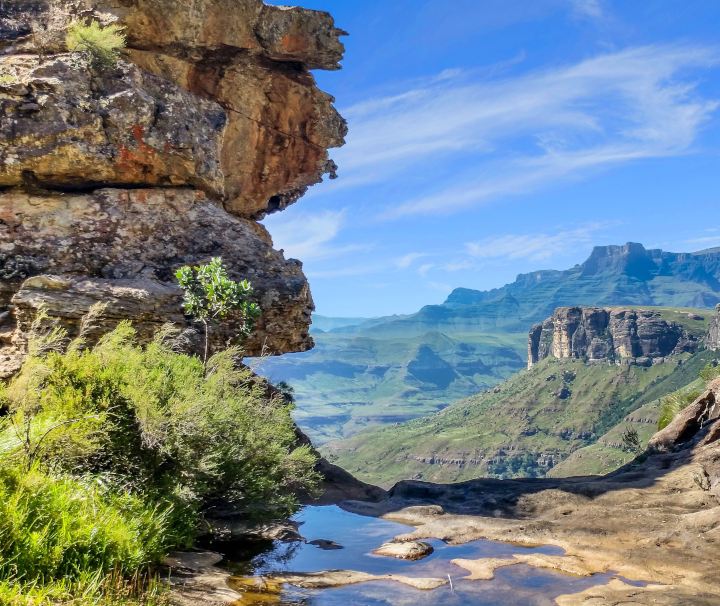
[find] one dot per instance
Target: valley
(381, 371)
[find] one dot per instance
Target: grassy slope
(507, 431)
(607, 453)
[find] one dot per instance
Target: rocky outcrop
(637, 336)
(112, 178)
(713, 338)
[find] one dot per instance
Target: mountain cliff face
(713, 338)
(112, 178)
(594, 334)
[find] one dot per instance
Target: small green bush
(151, 420)
(710, 372)
(210, 296)
(102, 44)
(671, 405)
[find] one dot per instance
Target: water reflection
(358, 535)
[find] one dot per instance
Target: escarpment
(636, 336)
(713, 338)
(112, 178)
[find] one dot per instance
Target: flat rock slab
(408, 550)
(339, 578)
(484, 569)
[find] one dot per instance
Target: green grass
(520, 428)
(64, 539)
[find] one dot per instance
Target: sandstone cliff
(636, 336)
(713, 338)
(111, 179)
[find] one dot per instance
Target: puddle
(518, 585)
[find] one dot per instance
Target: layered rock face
(713, 338)
(110, 179)
(595, 334)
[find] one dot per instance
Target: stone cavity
(635, 336)
(112, 179)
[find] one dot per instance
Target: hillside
(393, 369)
(526, 425)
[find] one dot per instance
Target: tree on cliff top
(210, 295)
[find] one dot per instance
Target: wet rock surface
(407, 550)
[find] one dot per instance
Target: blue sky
(489, 138)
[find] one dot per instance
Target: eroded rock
(407, 550)
(121, 174)
(68, 251)
(637, 336)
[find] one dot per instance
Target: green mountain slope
(608, 453)
(523, 427)
(392, 369)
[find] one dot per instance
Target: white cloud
(425, 268)
(515, 135)
(536, 247)
(309, 236)
(407, 260)
(589, 9)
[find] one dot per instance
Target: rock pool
(255, 565)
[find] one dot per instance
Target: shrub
(671, 405)
(631, 440)
(102, 44)
(154, 421)
(210, 295)
(710, 372)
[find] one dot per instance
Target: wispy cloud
(515, 135)
(311, 236)
(536, 247)
(408, 259)
(588, 9)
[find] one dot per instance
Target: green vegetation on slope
(112, 455)
(523, 427)
(358, 375)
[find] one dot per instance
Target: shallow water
(359, 535)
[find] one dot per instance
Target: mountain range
(386, 370)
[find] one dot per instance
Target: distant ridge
(627, 274)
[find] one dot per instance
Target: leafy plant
(102, 44)
(711, 371)
(631, 440)
(671, 405)
(210, 295)
(66, 540)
